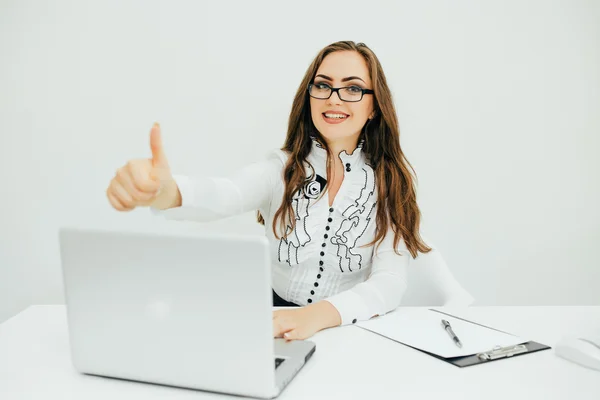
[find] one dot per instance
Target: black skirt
(279, 302)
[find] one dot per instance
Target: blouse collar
(355, 158)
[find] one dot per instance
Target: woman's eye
(322, 86)
(354, 89)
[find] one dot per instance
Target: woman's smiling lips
(334, 117)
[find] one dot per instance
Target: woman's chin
(331, 135)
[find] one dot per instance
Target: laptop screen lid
(189, 310)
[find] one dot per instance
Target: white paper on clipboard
(422, 328)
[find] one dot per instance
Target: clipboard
(493, 354)
(497, 353)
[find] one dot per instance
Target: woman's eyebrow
(349, 78)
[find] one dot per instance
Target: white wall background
(498, 104)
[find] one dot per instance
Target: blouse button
(325, 236)
(354, 321)
(331, 209)
(323, 245)
(322, 253)
(329, 220)
(321, 269)
(320, 262)
(312, 292)
(319, 276)
(310, 300)
(326, 228)
(316, 284)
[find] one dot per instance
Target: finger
(141, 183)
(294, 334)
(159, 159)
(133, 192)
(124, 179)
(282, 325)
(116, 203)
(121, 194)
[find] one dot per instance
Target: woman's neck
(347, 144)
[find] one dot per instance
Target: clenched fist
(145, 182)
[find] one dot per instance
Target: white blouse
(323, 257)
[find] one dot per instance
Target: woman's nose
(334, 98)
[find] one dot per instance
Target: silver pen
(448, 329)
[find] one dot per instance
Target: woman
(338, 200)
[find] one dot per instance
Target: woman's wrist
(328, 315)
(168, 197)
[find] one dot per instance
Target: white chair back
(430, 283)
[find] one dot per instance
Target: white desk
(350, 363)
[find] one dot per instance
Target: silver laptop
(185, 310)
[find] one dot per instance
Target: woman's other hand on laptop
(145, 182)
(301, 323)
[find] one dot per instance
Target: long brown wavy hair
(397, 203)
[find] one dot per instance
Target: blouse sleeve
(383, 290)
(210, 198)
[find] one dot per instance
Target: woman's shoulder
(277, 156)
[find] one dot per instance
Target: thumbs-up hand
(143, 182)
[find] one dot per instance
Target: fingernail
(287, 335)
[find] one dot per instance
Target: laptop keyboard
(278, 362)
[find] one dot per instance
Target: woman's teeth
(338, 116)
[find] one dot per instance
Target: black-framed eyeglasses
(322, 91)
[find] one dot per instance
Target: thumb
(159, 159)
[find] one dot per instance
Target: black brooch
(313, 189)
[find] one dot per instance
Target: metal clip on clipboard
(501, 352)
